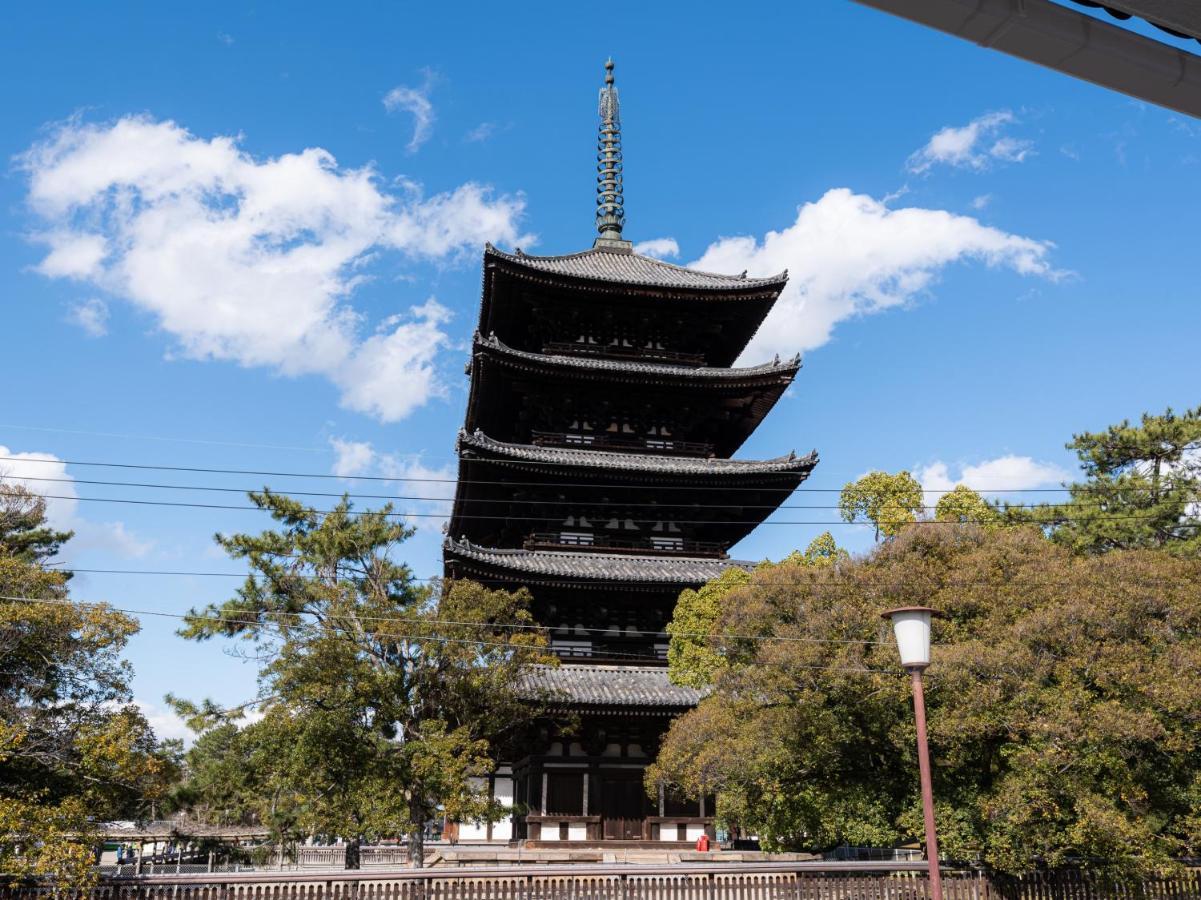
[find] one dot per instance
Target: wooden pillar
(544, 787)
(585, 793)
(702, 805)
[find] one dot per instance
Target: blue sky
(249, 237)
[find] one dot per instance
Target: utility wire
(407, 514)
(515, 626)
(429, 480)
(496, 500)
(760, 581)
(439, 638)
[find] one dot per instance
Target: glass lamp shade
(911, 625)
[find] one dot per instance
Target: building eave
(595, 686)
(606, 266)
(791, 467)
(621, 369)
(588, 568)
(1069, 41)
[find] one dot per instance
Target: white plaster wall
(503, 830)
(577, 832)
(472, 832)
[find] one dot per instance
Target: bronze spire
(610, 209)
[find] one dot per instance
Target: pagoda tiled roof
(636, 462)
(623, 266)
(606, 685)
(599, 567)
(632, 367)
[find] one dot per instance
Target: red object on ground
(702, 843)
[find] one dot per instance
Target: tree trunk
(352, 853)
(416, 834)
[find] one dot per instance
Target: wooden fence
(682, 881)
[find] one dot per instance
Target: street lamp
(911, 625)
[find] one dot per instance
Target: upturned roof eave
(598, 569)
(618, 368)
(673, 278)
(790, 468)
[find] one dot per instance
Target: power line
(408, 514)
(439, 638)
(516, 626)
(429, 480)
(759, 581)
(180, 440)
(495, 500)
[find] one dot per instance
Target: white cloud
(91, 315)
(351, 457)
(979, 203)
(660, 248)
(850, 255)
(414, 100)
(413, 479)
(254, 261)
(166, 722)
(481, 132)
(968, 147)
(1002, 474)
(46, 474)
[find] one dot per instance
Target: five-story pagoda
(595, 469)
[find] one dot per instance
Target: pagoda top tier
(612, 294)
(621, 265)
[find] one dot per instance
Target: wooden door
(623, 806)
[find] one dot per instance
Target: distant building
(595, 469)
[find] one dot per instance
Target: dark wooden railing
(606, 441)
(613, 351)
(554, 540)
(685, 880)
(609, 650)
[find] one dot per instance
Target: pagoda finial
(610, 205)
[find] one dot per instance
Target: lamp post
(911, 625)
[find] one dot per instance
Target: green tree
(24, 532)
(888, 501)
(1063, 719)
(964, 505)
(382, 698)
(698, 649)
(73, 750)
(1142, 488)
(692, 653)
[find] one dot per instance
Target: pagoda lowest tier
(554, 498)
(578, 399)
(611, 301)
